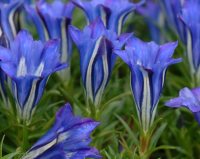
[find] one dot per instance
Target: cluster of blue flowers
(26, 64)
(183, 17)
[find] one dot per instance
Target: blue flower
(52, 21)
(67, 139)
(153, 17)
(29, 64)
(172, 9)
(191, 18)
(112, 12)
(8, 11)
(95, 45)
(3, 78)
(189, 99)
(148, 63)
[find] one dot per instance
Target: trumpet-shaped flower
(148, 63)
(112, 12)
(189, 99)
(191, 18)
(29, 64)
(69, 138)
(52, 21)
(8, 12)
(172, 9)
(95, 44)
(154, 19)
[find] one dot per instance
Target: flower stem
(144, 145)
(93, 110)
(25, 142)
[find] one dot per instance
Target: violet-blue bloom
(148, 63)
(189, 99)
(3, 78)
(29, 64)
(8, 15)
(191, 19)
(95, 44)
(172, 9)
(112, 12)
(69, 138)
(52, 21)
(154, 19)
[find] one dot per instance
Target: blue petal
(91, 9)
(166, 51)
(147, 74)
(76, 35)
(68, 139)
(29, 63)
(26, 91)
(152, 12)
(37, 21)
(188, 98)
(50, 57)
(56, 17)
(7, 18)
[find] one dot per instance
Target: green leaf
(11, 155)
(130, 132)
(157, 135)
(165, 147)
(1, 146)
(114, 99)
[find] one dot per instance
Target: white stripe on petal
(39, 70)
(11, 22)
(64, 44)
(64, 74)
(18, 107)
(120, 23)
(189, 51)
(103, 16)
(22, 69)
(69, 154)
(146, 102)
(90, 68)
(105, 79)
(35, 153)
(0, 31)
(28, 107)
(62, 137)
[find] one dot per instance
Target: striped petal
(172, 9)
(57, 24)
(191, 25)
(147, 74)
(7, 18)
(67, 139)
(96, 44)
(52, 21)
(28, 91)
(112, 12)
(37, 21)
(29, 64)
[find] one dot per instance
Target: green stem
(25, 142)
(94, 112)
(144, 145)
(194, 80)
